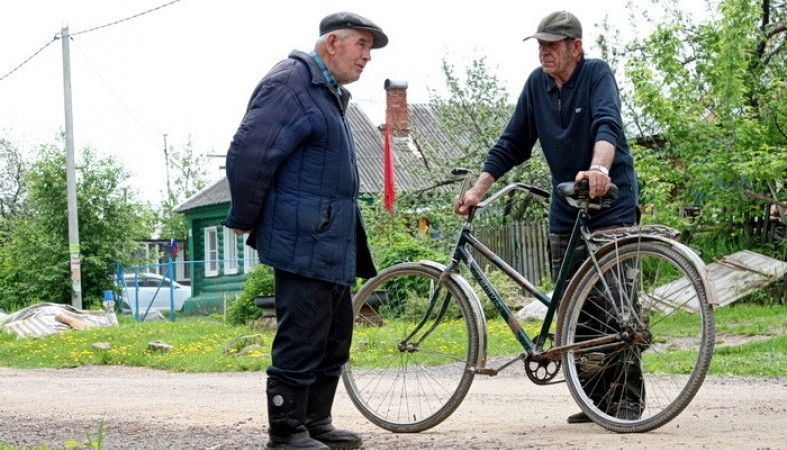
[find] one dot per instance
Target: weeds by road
(751, 341)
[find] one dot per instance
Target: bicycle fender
(475, 304)
(684, 250)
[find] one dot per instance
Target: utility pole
(73, 219)
(166, 167)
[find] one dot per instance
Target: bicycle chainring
(543, 371)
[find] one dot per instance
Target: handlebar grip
(467, 174)
(540, 192)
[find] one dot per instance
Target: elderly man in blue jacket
(294, 185)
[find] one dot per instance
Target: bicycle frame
(461, 255)
(464, 256)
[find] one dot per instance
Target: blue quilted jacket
(293, 176)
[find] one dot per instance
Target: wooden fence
(525, 247)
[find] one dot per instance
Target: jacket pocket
(325, 219)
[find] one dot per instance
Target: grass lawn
(200, 344)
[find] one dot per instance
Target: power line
(29, 58)
(123, 20)
(114, 94)
(57, 36)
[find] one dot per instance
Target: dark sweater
(568, 122)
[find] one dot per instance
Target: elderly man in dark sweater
(571, 105)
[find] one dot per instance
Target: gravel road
(148, 409)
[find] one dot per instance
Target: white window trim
(230, 252)
(211, 254)
(250, 256)
(180, 266)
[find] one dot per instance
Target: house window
(230, 252)
(211, 252)
(250, 256)
(181, 267)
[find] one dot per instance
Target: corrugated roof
(408, 156)
(218, 192)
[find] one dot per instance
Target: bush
(242, 310)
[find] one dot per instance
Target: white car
(150, 290)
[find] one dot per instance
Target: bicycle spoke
(633, 386)
(411, 371)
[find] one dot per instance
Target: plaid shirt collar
(328, 75)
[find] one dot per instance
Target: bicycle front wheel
(646, 309)
(415, 343)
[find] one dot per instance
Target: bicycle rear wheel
(415, 343)
(650, 304)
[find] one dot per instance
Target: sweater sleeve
(607, 124)
(515, 144)
(273, 127)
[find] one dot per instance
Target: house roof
(409, 159)
(216, 193)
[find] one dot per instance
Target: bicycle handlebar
(511, 187)
(577, 194)
(468, 174)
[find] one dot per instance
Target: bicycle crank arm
(492, 372)
(555, 352)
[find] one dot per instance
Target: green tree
(189, 175)
(35, 261)
(712, 96)
(472, 116)
(12, 187)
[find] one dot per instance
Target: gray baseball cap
(558, 26)
(342, 20)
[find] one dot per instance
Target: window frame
(230, 251)
(250, 256)
(211, 254)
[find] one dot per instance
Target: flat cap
(343, 20)
(558, 26)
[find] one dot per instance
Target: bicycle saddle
(578, 195)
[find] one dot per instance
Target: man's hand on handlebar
(462, 205)
(465, 200)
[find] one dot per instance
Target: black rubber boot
(318, 417)
(579, 417)
(286, 416)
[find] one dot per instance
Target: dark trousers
(619, 378)
(315, 323)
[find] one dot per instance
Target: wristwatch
(600, 168)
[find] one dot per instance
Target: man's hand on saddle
(597, 181)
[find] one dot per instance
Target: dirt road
(147, 409)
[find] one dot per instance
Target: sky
(187, 70)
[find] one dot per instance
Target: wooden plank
(73, 322)
(735, 276)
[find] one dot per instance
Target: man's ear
(330, 44)
(576, 46)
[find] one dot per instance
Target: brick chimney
(396, 108)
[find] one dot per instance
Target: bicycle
(421, 334)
